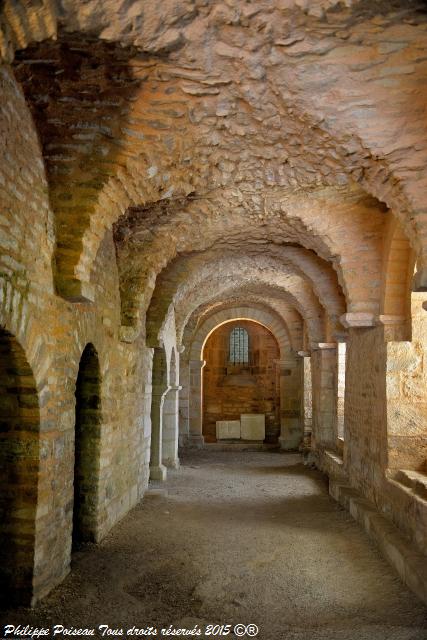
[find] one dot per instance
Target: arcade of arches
(170, 171)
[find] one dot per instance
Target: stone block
(228, 429)
(252, 426)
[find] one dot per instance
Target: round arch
(269, 320)
(19, 471)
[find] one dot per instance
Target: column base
(196, 441)
(158, 473)
(289, 443)
(171, 463)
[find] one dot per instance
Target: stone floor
(247, 537)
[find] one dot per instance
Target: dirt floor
(246, 537)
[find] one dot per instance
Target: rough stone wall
(53, 335)
(324, 397)
(229, 391)
(365, 406)
(407, 395)
(246, 153)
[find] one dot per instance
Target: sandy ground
(231, 538)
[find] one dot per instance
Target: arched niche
(19, 471)
(87, 447)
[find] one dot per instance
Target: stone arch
(87, 453)
(192, 363)
(22, 23)
(314, 274)
(286, 315)
(19, 470)
(356, 153)
(343, 228)
(397, 283)
(304, 301)
(267, 319)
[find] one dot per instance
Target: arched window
(239, 346)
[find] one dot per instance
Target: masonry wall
(365, 408)
(379, 375)
(53, 334)
(230, 390)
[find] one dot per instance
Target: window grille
(239, 346)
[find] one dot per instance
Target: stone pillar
(324, 374)
(307, 394)
(170, 428)
(341, 381)
(195, 401)
(184, 403)
(159, 389)
(157, 468)
(291, 428)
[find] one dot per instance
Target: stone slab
(252, 426)
(228, 429)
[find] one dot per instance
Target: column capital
(197, 363)
(358, 320)
(391, 320)
(285, 363)
(159, 390)
(323, 345)
(304, 354)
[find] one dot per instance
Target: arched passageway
(19, 471)
(87, 448)
(169, 168)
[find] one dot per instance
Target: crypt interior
(213, 262)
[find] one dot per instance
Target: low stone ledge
(335, 456)
(410, 564)
(414, 480)
(331, 462)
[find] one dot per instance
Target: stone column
(159, 389)
(307, 394)
(324, 373)
(157, 468)
(291, 428)
(195, 404)
(341, 381)
(184, 403)
(170, 428)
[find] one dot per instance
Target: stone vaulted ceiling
(239, 150)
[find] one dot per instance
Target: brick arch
(171, 288)
(357, 152)
(285, 315)
(19, 471)
(242, 270)
(343, 230)
(303, 301)
(269, 320)
(22, 23)
(397, 282)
